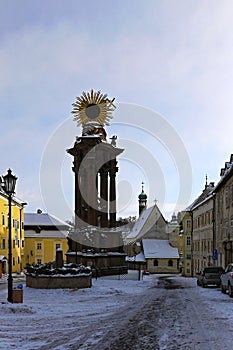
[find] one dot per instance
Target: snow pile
(50, 269)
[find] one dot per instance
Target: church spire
(206, 181)
(142, 200)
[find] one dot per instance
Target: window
(16, 224)
(231, 225)
(22, 225)
(202, 220)
(188, 223)
(208, 218)
(3, 219)
(39, 261)
(58, 246)
(229, 268)
(195, 224)
(22, 243)
(4, 243)
(18, 260)
(39, 246)
(188, 256)
(227, 199)
(13, 243)
(13, 261)
(188, 240)
(170, 263)
(226, 228)
(156, 263)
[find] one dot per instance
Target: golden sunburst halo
(93, 106)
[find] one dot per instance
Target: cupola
(142, 200)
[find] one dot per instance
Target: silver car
(227, 280)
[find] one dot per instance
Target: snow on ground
(220, 304)
(79, 319)
(64, 315)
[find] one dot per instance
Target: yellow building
(17, 227)
(44, 234)
(175, 238)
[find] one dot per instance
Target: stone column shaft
(104, 197)
(112, 199)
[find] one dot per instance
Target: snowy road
(160, 312)
(173, 315)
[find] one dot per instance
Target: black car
(210, 276)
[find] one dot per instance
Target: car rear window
(213, 269)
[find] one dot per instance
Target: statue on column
(95, 168)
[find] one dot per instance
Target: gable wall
(162, 266)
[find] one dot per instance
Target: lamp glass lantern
(9, 181)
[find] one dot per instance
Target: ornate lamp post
(9, 181)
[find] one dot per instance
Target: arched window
(170, 263)
(156, 263)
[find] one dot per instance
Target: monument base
(55, 282)
(102, 264)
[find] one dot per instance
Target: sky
(167, 63)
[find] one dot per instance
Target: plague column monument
(95, 240)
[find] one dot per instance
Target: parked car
(210, 276)
(227, 280)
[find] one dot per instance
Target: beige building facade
(224, 215)
(203, 234)
(212, 223)
(187, 253)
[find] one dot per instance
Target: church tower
(142, 200)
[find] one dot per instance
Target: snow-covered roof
(140, 257)
(15, 200)
(159, 249)
(43, 219)
(226, 173)
(144, 223)
(3, 258)
(206, 194)
(137, 258)
(45, 234)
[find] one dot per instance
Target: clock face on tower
(93, 107)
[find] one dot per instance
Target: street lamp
(9, 181)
